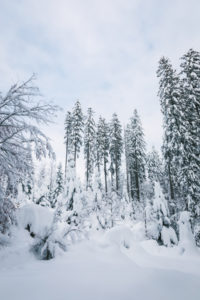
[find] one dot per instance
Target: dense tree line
(179, 94)
(123, 181)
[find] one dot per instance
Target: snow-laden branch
(21, 111)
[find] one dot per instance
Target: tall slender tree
(68, 137)
(135, 155)
(127, 158)
(102, 142)
(154, 169)
(89, 146)
(173, 122)
(116, 147)
(77, 130)
(190, 163)
(59, 185)
(154, 166)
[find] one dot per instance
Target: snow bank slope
(101, 269)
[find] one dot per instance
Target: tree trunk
(87, 169)
(131, 185)
(127, 178)
(75, 151)
(66, 157)
(137, 183)
(171, 188)
(105, 176)
(116, 175)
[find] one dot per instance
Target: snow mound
(35, 217)
(168, 236)
(138, 231)
(187, 243)
(120, 235)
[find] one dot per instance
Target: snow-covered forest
(127, 205)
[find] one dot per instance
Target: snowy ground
(101, 268)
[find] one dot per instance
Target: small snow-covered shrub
(48, 246)
(157, 222)
(40, 222)
(168, 236)
(51, 230)
(120, 236)
(35, 218)
(186, 238)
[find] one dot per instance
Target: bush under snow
(186, 239)
(157, 222)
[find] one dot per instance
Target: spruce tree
(154, 164)
(173, 123)
(135, 155)
(154, 170)
(50, 200)
(190, 163)
(70, 188)
(127, 157)
(59, 185)
(77, 130)
(116, 148)
(102, 142)
(89, 146)
(68, 137)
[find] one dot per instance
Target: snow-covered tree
(7, 212)
(77, 130)
(17, 109)
(70, 185)
(154, 170)
(189, 176)
(186, 237)
(68, 137)
(20, 114)
(135, 156)
(116, 148)
(89, 146)
(173, 123)
(59, 185)
(157, 222)
(102, 148)
(40, 190)
(154, 165)
(51, 200)
(27, 181)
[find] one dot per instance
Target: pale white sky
(102, 52)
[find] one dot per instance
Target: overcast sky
(103, 52)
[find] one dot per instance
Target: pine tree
(154, 166)
(190, 163)
(157, 222)
(127, 157)
(40, 186)
(135, 155)
(89, 146)
(68, 137)
(102, 142)
(99, 151)
(59, 185)
(173, 123)
(51, 187)
(155, 173)
(77, 130)
(27, 179)
(70, 188)
(116, 147)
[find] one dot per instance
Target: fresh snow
(38, 217)
(119, 264)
